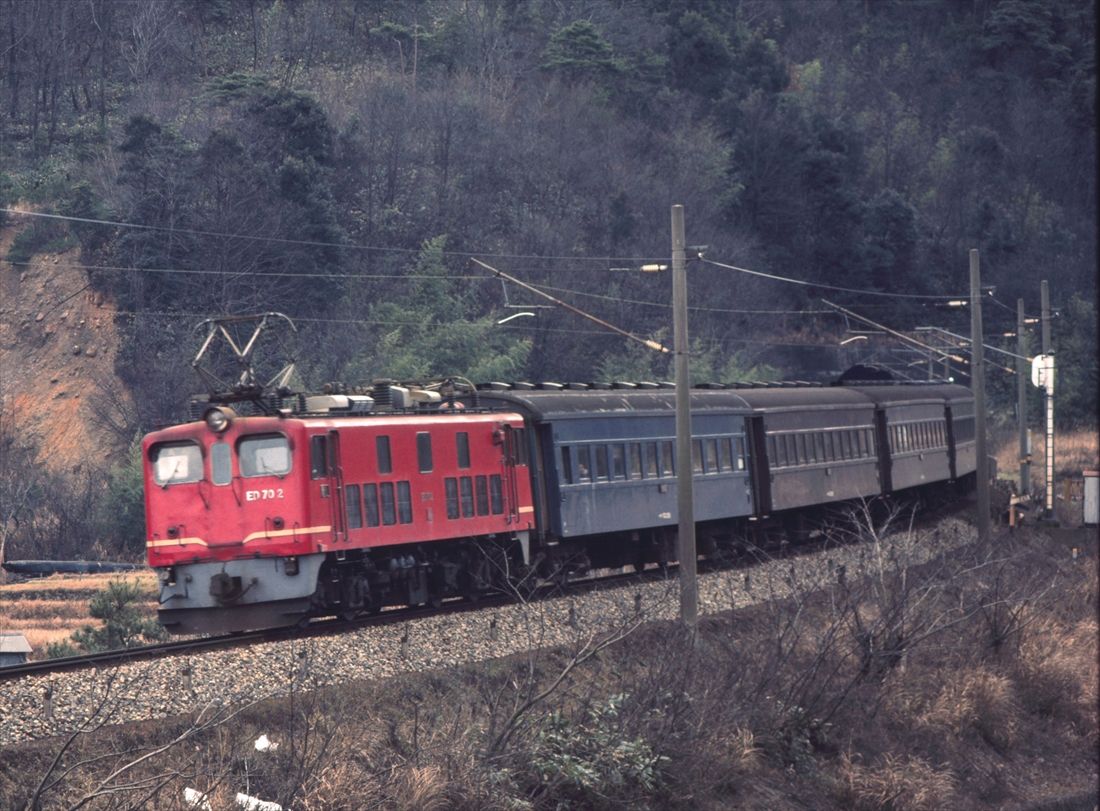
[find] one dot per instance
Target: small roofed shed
(13, 649)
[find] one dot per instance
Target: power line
(311, 242)
(822, 286)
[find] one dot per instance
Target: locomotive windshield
(176, 463)
(264, 455)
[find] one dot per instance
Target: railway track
(333, 626)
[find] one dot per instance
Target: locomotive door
(337, 502)
(511, 456)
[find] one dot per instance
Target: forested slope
(339, 160)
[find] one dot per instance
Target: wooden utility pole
(1021, 399)
(689, 599)
(977, 385)
(1048, 398)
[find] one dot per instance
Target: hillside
(58, 343)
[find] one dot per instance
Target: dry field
(1074, 451)
(49, 609)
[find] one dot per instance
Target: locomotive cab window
(176, 463)
(264, 455)
(382, 449)
(462, 448)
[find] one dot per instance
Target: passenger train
(346, 503)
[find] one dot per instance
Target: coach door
(758, 466)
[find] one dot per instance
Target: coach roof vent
(547, 385)
(623, 384)
(647, 384)
(577, 386)
(494, 385)
(523, 386)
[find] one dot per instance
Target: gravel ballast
(48, 705)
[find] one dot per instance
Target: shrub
(124, 621)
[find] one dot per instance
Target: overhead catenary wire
(823, 286)
(314, 243)
(398, 276)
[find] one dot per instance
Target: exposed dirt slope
(57, 356)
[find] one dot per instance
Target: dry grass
(419, 788)
(1074, 451)
(1058, 674)
(895, 784)
(49, 609)
(87, 584)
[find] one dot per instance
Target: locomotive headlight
(218, 419)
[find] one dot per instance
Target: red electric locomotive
(263, 521)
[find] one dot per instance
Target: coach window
(424, 451)
(382, 448)
(450, 486)
(725, 453)
(496, 494)
(462, 446)
(176, 463)
(651, 468)
(481, 488)
(668, 459)
(265, 455)
(389, 514)
(845, 445)
(584, 464)
(711, 448)
(370, 501)
(696, 456)
(601, 462)
(635, 453)
(467, 486)
(861, 440)
(567, 464)
(803, 451)
(740, 452)
(355, 511)
(404, 503)
(221, 463)
(618, 462)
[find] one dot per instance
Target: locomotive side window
(370, 501)
(389, 513)
(424, 451)
(176, 463)
(467, 485)
(462, 448)
(482, 488)
(450, 485)
(266, 455)
(404, 503)
(221, 464)
(496, 494)
(318, 458)
(354, 507)
(382, 448)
